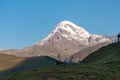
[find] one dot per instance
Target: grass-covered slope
(103, 64)
(8, 61)
(108, 54)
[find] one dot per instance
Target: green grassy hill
(108, 55)
(103, 64)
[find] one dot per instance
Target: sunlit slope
(8, 61)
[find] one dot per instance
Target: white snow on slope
(72, 32)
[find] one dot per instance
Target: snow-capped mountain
(68, 30)
(64, 41)
(72, 37)
(67, 36)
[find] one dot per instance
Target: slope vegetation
(109, 54)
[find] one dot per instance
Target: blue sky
(24, 22)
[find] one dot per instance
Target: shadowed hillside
(16, 64)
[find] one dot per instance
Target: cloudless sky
(24, 22)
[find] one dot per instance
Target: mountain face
(68, 31)
(64, 41)
(67, 36)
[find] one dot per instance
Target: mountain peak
(66, 22)
(68, 30)
(71, 29)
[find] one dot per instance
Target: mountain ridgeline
(65, 42)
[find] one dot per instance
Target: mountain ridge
(65, 40)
